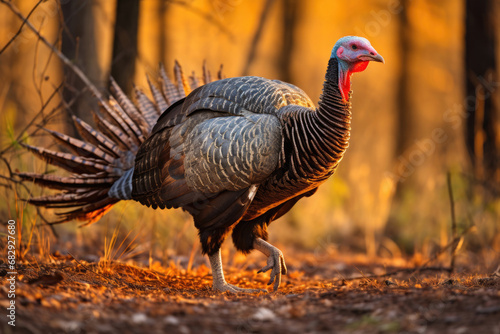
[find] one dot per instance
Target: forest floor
(318, 295)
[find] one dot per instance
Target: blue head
(353, 54)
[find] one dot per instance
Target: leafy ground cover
(321, 294)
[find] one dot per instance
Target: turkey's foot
(275, 261)
(224, 286)
(219, 282)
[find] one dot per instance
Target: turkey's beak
(371, 57)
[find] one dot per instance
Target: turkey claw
(276, 262)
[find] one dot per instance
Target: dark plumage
(236, 153)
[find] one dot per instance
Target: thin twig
(257, 35)
(44, 77)
(415, 270)
(46, 118)
(453, 222)
(116, 280)
(204, 15)
(21, 27)
(38, 88)
(90, 269)
(395, 272)
(20, 183)
(33, 120)
(61, 56)
(445, 248)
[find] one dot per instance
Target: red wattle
(345, 78)
(345, 87)
(358, 66)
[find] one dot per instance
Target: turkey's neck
(332, 119)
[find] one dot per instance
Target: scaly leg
(219, 282)
(275, 261)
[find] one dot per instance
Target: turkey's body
(240, 151)
(235, 153)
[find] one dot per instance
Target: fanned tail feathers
(106, 153)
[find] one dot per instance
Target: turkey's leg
(275, 261)
(219, 282)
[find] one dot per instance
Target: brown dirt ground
(70, 296)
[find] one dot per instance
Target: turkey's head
(353, 54)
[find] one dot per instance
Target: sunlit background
(390, 196)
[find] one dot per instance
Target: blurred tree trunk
(405, 122)
(79, 45)
(125, 43)
(291, 9)
(405, 133)
(162, 16)
(483, 118)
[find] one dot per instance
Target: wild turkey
(235, 153)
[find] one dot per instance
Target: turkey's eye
(354, 46)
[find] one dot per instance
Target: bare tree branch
(256, 36)
(21, 27)
(30, 123)
(206, 16)
(11, 179)
(61, 56)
